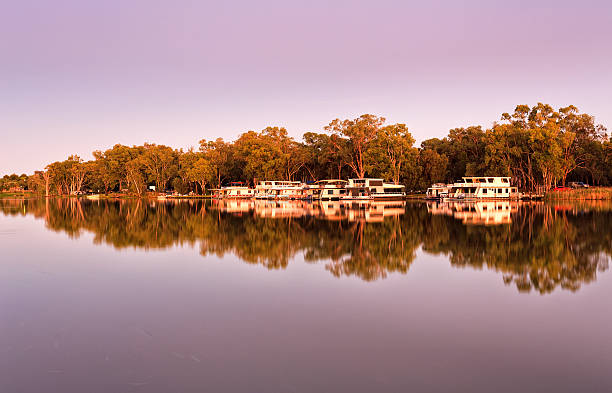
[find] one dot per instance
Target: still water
(245, 296)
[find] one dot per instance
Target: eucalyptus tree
(202, 172)
(433, 167)
(359, 133)
(161, 163)
(321, 157)
(391, 154)
(106, 170)
(219, 155)
(136, 175)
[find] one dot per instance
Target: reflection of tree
(368, 251)
(542, 249)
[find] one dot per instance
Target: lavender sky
(80, 75)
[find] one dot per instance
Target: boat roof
(331, 181)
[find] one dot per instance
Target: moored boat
(438, 191)
(236, 190)
(279, 189)
(329, 190)
(377, 189)
(482, 187)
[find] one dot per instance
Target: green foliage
(391, 154)
(358, 134)
(15, 182)
(541, 146)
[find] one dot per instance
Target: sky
(79, 75)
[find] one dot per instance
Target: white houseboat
(329, 190)
(357, 192)
(438, 191)
(377, 188)
(279, 189)
(483, 187)
(235, 190)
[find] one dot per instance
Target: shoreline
(588, 194)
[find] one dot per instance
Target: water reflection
(535, 247)
(328, 210)
(479, 213)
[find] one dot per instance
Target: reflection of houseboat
(329, 190)
(374, 211)
(483, 188)
(438, 191)
(234, 190)
(332, 210)
(476, 213)
(235, 206)
(367, 211)
(377, 188)
(280, 209)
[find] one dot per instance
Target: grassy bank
(11, 195)
(581, 194)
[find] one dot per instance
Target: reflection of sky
(83, 317)
(76, 76)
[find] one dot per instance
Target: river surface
(256, 296)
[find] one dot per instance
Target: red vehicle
(561, 189)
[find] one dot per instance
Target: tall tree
(392, 154)
(136, 176)
(433, 167)
(359, 132)
(219, 155)
(161, 164)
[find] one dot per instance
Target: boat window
(499, 190)
(504, 180)
(484, 190)
(491, 180)
(376, 183)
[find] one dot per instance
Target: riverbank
(11, 195)
(581, 194)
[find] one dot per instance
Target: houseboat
(329, 190)
(438, 191)
(279, 189)
(482, 187)
(235, 190)
(357, 192)
(377, 188)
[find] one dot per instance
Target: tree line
(537, 146)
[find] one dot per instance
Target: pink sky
(76, 76)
